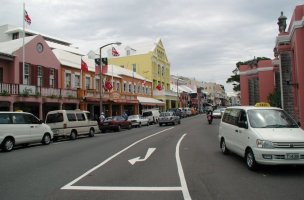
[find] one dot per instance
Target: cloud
(202, 39)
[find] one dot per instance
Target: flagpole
(23, 50)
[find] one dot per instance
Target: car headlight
(264, 144)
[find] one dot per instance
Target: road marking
(182, 179)
(69, 185)
(137, 159)
(122, 188)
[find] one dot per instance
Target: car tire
(8, 144)
(118, 129)
(250, 160)
(103, 130)
(46, 140)
(73, 135)
(91, 132)
(224, 147)
(139, 125)
(160, 124)
(179, 122)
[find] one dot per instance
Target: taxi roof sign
(262, 104)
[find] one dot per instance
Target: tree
(274, 98)
(235, 79)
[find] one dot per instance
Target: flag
(104, 69)
(159, 87)
(108, 85)
(97, 69)
(114, 52)
(84, 66)
(27, 18)
(143, 82)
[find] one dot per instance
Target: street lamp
(100, 74)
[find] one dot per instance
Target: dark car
(115, 123)
(178, 112)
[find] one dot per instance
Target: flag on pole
(143, 82)
(159, 87)
(84, 66)
(108, 85)
(114, 52)
(27, 18)
(97, 69)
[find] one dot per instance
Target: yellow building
(150, 61)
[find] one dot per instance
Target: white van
(22, 128)
(71, 123)
(151, 114)
(262, 135)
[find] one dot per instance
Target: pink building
(258, 80)
(290, 50)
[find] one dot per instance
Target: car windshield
(163, 114)
(217, 111)
(266, 118)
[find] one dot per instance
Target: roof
(11, 46)
(20, 29)
(70, 49)
(181, 88)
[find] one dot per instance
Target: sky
(203, 39)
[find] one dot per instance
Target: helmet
(102, 113)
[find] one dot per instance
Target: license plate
(292, 156)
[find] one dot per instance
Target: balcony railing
(7, 89)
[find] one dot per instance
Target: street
(169, 162)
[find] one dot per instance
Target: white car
(262, 135)
(138, 120)
(22, 128)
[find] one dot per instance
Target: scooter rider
(209, 116)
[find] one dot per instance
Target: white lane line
(69, 185)
(185, 190)
(114, 188)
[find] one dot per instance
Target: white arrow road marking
(137, 159)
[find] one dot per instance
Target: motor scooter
(209, 118)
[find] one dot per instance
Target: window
(26, 74)
(128, 52)
(163, 70)
(118, 86)
(125, 87)
(71, 117)
(67, 80)
(18, 119)
(54, 118)
(5, 118)
(31, 119)
(77, 81)
(88, 82)
(158, 70)
(40, 76)
(80, 117)
(15, 36)
(130, 87)
(134, 67)
(52, 78)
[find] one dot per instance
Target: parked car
(22, 128)
(217, 113)
(168, 118)
(138, 120)
(188, 111)
(178, 112)
(152, 115)
(261, 135)
(115, 123)
(71, 123)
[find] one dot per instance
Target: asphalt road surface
(169, 162)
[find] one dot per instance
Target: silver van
(71, 123)
(22, 128)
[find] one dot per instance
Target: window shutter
(56, 78)
(46, 77)
(33, 75)
(21, 73)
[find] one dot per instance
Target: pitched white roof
(181, 88)
(74, 50)
(11, 46)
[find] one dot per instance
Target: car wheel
(8, 144)
(148, 124)
(223, 146)
(92, 132)
(250, 160)
(179, 121)
(103, 130)
(118, 128)
(73, 135)
(160, 124)
(46, 139)
(139, 125)
(129, 126)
